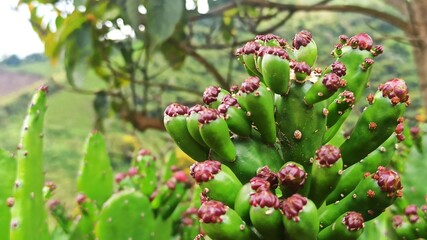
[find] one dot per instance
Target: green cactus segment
(95, 178)
(175, 121)
(216, 135)
(305, 49)
(219, 181)
(326, 173)
(193, 123)
(345, 101)
(219, 221)
(8, 173)
(212, 96)
(275, 69)
(292, 178)
(84, 228)
(324, 89)
(403, 227)
(348, 226)
(247, 56)
(170, 205)
(58, 211)
(265, 214)
(416, 216)
(370, 197)
(300, 218)
(145, 165)
(241, 202)
(372, 128)
(126, 215)
(252, 154)
(259, 102)
(352, 175)
(301, 127)
(236, 118)
(28, 214)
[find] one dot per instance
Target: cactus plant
(323, 184)
(28, 214)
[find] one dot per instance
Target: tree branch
(391, 19)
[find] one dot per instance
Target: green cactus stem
(305, 49)
(403, 227)
(175, 122)
(8, 173)
(345, 101)
(324, 89)
(126, 215)
(275, 68)
(352, 175)
(146, 177)
(301, 132)
(28, 214)
(213, 95)
(265, 215)
(259, 102)
(57, 210)
(372, 129)
(180, 184)
(326, 173)
(371, 196)
(193, 123)
(292, 178)
(217, 180)
(236, 118)
(219, 221)
(216, 135)
(300, 218)
(95, 177)
(251, 154)
(348, 226)
(84, 227)
(247, 56)
(241, 202)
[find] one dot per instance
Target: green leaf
(162, 18)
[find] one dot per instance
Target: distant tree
(133, 44)
(12, 60)
(35, 57)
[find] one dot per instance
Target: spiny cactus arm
(300, 218)
(28, 219)
(219, 221)
(176, 125)
(403, 227)
(180, 184)
(193, 123)
(326, 173)
(344, 102)
(8, 175)
(371, 196)
(83, 228)
(95, 178)
(352, 175)
(258, 100)
(215, 134)
(219, 182)
(126, 215)
(324, 88)
(348, 226)
(372, 128)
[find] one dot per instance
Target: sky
(18, 38)
(16, 34)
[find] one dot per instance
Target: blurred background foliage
(114, 65)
